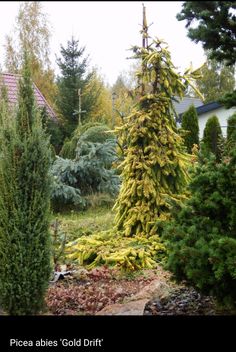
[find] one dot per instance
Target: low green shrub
(89, 132)
(91, 172)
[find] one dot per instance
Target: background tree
(123, 100)
(217, 79)
(190, 125)
(24, 207)
(32, 34)
(100, 104)
(212, 137)
(53, 129)
(215, 29)
(73, 66)
(229, 100)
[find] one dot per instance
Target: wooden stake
(145, 28)
(144, 43)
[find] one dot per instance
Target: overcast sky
(108, 29)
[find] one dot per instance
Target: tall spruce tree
(190, 125)
(212, 137)
(73, 66)
(24, 206)
(154, 170)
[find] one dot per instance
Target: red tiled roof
(11, 80)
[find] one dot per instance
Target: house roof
(11, 81)
(208, 107)
(184, 104)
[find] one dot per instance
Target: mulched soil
(186, 301)
(182, 301)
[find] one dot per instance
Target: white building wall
(222, 114)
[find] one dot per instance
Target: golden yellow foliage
(106, 248)
(154, 170)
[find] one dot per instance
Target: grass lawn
(77, 223)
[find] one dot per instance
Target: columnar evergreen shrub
(190, 125)
(212, 137)
(4, 102)
(24, 207)
(231, 131)
(201, 240)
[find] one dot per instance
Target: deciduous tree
(32, 34)
(217, 80)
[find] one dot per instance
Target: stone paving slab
(135, 304)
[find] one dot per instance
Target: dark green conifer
(190, 125)
(74, 77)
(201, 239)
(231, 129)
(24, 206)
(212, 137)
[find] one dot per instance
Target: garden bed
(109, 292)
(93, 291)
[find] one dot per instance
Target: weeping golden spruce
(154, 170)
